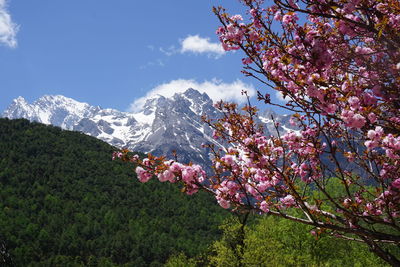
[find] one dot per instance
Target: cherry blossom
(337, 65)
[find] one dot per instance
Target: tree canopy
(64, 202)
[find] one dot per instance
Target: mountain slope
(63, 201)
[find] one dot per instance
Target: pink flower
(363, 50)
(254, 36)
(278, 16)
(192, 189)
(262, 186)
(223, 203)
(289, 18)
(370, 144)
(176, 167)
(372, 117)
(116, 155)
(313, 91)
(253, 12)
(313, 232)
(188, 174)
(248, 141)
(390, 153)
(330, 108)
(166, 176)
(353, 120)
(288, 201)
(375, 134)
(251, 190)
(264, 206)
(354, 102)
(143, 175)
(228, 159)
(236, 17)
(146, 162)
(247, 61)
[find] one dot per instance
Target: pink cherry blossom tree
(337, 63)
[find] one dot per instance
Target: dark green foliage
(64, 202)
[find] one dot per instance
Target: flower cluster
(192, 176)
(337, 63)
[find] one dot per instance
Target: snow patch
(144, 119)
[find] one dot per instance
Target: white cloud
(200, 45)
(215, 89)
(195, 44)
(8, 29)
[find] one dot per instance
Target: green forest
(64, 202)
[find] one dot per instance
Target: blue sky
(115, 53)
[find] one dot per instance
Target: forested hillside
(64, 202)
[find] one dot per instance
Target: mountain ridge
(161, 126)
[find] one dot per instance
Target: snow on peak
(59, 101)
(20, 99)
(161, 126)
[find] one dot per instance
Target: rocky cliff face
(162, 125)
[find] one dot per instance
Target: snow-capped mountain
(162, 125)
(56, 110)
